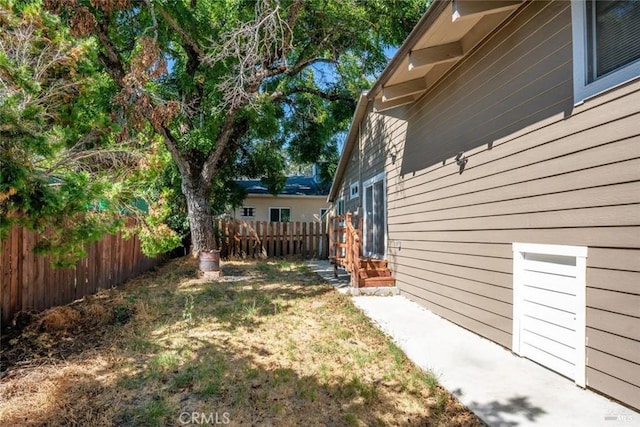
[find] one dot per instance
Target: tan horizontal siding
(625, 215)
(620, 194)
(618, 259)
(597, 177)
(614, 237)
(472, 305)
(569, 158)
(477, 321)
(619, 302)
(495, 278)
(481, 249)
(616, 367)
(502, 265)
(442, 292)
(621, 347)
(618, 389)
(580, 131)
(615, 323)
(374, 130)
(502, 295)
(615, 280)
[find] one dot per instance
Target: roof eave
(432, 13)
(427, 19)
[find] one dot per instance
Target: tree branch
(210, 166)
(114, 66)
(109, 57)
(186, 37)
(329, 96)
(172, 145)
(307, 63)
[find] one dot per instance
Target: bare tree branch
(258, 50)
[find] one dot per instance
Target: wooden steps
(377, 282)
(374, 273)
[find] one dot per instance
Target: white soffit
(457, 30)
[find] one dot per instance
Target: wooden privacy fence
(29, 282)
(272, 239)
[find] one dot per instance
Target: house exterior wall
(540, 170)
(370, 154)
(303, 208)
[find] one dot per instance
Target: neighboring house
(496, 163)
(303, 199)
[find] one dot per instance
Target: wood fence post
(312, 239)
(316, 239)
(254, 238)
(262, 236)
(16, 268)
(325, 239)
(285, 239)
(27, 260)
(5, 279)
(244, 240)
(278, 252)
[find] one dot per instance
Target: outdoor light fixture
(461, 161)
(393, 154)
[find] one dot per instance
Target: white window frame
(323, 213)
(354, 191)
(580, 253)
(280, 213)
(380, 177)
(247, 207)
(340, 203)
(581, 89)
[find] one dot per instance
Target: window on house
(606, 45)
(247, 211)
(280, 214)
(323, 211)
(354, 190)
(340, 206)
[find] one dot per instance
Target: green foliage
(141, 103)
(64, 171)
(46, 105)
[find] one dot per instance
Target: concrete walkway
(325, 270)
(502, 389)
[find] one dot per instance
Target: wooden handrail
(353, 248)
(348, 237)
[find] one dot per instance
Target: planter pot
(210, 261)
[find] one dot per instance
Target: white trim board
(524, 302)
(583, 90)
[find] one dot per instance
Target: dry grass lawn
(270, 346)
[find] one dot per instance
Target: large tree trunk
(200, 217)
